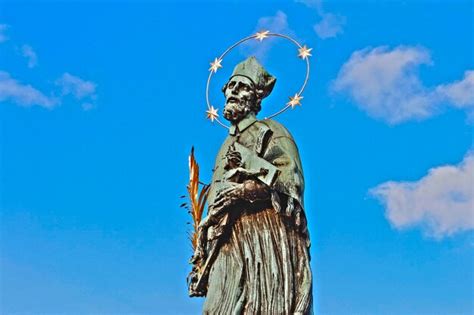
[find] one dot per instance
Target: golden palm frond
(197, 198)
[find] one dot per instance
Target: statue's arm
(250, 190)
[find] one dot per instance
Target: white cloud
(11, 90)
(79, 88)
(25, 50)
(330, 26)
(3, 36)
(459, 93)
(87, 106)
(22, 94)
(277, 23)
(385, 83)
(76, 86)
(315, 4)
(441, 203)
(28, 52)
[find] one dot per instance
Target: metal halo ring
(304, 53)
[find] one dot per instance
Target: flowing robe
(263, 263)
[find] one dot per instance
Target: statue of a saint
(252, 255)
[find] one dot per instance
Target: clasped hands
(250, 190)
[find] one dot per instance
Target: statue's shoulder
(278, 130)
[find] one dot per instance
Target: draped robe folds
(262, 265)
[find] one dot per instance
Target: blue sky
(102, 102)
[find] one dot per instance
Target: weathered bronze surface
(252, 254)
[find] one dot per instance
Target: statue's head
(249, 84)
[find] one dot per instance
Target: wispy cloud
(441, 203)
(28, 52)
(385, 83)
(331, 25)
(79, 88)
(3, 30)
(87, 106)
(76, 86)
(12, 90)
(314, 4)
(277, 23)
(459, 93)
(23, 94)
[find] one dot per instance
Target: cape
(263, 266)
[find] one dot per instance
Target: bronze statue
(252, 253)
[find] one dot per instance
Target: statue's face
(240, 98)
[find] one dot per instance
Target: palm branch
(197, 198)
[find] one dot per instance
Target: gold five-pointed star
(303, 52)
(295, 100)
(261, 35)
(216, 64)
(212, 113)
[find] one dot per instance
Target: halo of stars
(303, 52)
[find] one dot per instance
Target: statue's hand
(250, 191)
(200, 253)
(192, 280)
(227, 197)
(198, 256)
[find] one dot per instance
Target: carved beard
(237, 109)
